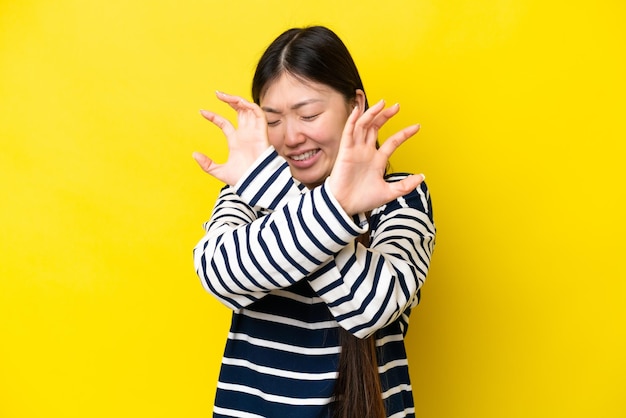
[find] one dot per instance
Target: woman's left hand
(357, 179)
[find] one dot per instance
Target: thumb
(408, 184)
(204, 162)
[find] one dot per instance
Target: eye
(273, 122)
(311, 117)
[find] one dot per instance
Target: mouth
(305, 155)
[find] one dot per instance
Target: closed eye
(273, 122)
(310, 118)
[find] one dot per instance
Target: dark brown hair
(358, 391)
(313, 53)
(317, 54)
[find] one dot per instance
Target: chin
(309, 182)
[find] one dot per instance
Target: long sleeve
(368, 288)
(249, 251)
(268, 183)
(267, 232)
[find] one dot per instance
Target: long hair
(317, 54)
(358, 391)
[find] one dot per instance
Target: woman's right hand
(245, 143)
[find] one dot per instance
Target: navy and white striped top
(285, 260)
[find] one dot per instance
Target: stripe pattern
(285, 260)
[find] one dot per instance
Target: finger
(370, 114)
(246, 111)
(347, 137)
(385, 115)
(378, 122)
(364, 130)
(251, 113)
(220, 122)
(406, 185)
(239, 103)
(229, 99)
(205, 163)
(236, 102)
(395, 140)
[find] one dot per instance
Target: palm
(245, 143)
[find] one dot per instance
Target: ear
(359, 99)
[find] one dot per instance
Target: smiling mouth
(304, 156)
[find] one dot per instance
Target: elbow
(383, 309)
(210, 278)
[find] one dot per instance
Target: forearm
(242, 259)
(368, 288)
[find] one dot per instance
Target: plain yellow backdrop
(522, 106)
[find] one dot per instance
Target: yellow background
(522, 106)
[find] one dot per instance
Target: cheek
(336, 122)
(327, 129)
(330, 133)
(274, 135)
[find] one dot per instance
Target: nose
(293, 134)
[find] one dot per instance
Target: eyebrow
(294, 107)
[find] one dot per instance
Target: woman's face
(305, 122)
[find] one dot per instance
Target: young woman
(317, 251)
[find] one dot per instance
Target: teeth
(304, 156)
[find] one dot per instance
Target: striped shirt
(285, 260)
